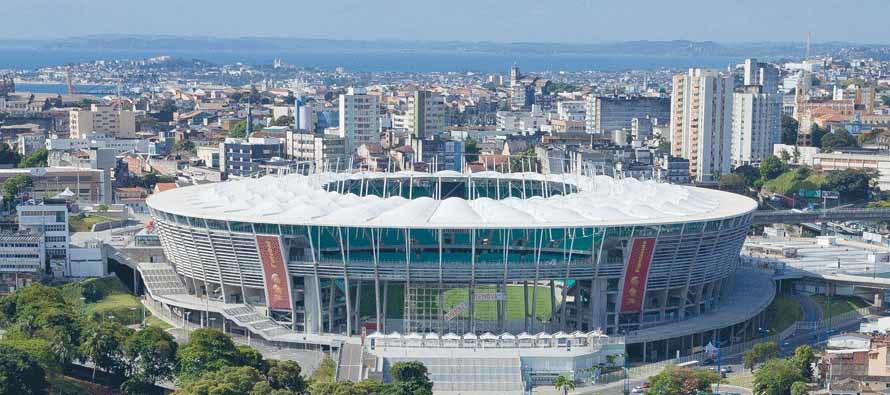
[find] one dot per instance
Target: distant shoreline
(39, 82)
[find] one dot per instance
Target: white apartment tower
(762, 74)
(756, 114)
(756, 125)
(701, 122)
(359, 118)
(109, 120)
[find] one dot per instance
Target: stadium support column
(440, 294)
(375, 245)
(540, 237)
(502, 302)
(344, 251)
(355, 310)
(472, 293)
(315, 299)
(525, 304)
(383, 319)
(552, 285)
(598, 300)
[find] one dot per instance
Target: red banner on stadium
(635, 274)
(274, 272)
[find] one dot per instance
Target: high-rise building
(756, 125)
(756, 113)
(701, 122)
(104, 119)
(609, 113)
(427, 114)
(762, 74)
(359, 118)
(514, 74)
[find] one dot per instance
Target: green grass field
(782, 313)
(839, 304)
(107, 298)
(78, 223)
(485, 310)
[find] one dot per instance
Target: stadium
(450, 252)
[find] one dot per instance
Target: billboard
(274, 273)
(635, 274)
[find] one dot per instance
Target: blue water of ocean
(61, 89)
(374, 61)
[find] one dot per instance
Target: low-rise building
(879, 162)
(22, 259)
(49, 218)
(241, 157)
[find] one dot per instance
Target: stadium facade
(339, 253)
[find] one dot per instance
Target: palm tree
(564, 383)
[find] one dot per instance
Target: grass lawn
(742, 378)
(106, 297)
(782, 313)
(839, 304)
(151, 320)
(78, 223)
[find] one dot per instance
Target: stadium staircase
(162, 281)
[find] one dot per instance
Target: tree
(364, 387)
(775, 377)
(564, 383)
(103, 346)
(732, 182)
(841, 138)
(803, 358)
(184, 146)
(748, 172)
(325, 371)
(790, 128)
(207, 350)
(8, 156)
(760, 353)
(35, 159)
(851, 184)
(15, 185)
(239, 129)
(151, 354)
(771, 167)
(885, 99)
(228, 380)
(286, 375)
(249, 356)
(471, 149)
(682, 381)
(800, 388)
(817, 132)
(284, 120)
(20, 374)
(412, 377)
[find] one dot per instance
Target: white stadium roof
(300, 200)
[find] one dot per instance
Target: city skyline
(580, 21)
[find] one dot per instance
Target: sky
(568, 21)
